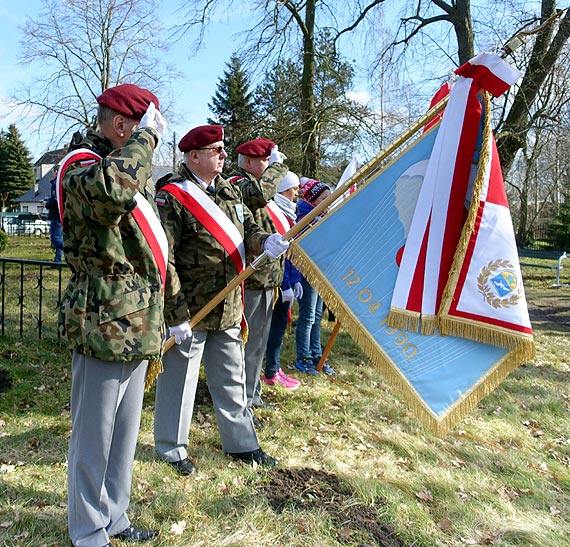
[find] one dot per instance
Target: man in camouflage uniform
(112, 309)
(204, 267)
(260, 169)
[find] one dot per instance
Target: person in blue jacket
(308, 330)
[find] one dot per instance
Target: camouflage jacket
(202, 265)
(112, 307)
(256, 194)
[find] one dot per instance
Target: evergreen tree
(16, 171)
(339, 120)
(233, 108)
(278, 101)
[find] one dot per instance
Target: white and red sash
(209, 215)
(144, 215)
(278, 218)
(83, 157)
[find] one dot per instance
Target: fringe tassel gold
(276, 293)
(439, 424)
(492, 335)
(403, 319)
(153, 370)
(244, 334)
(429, 325)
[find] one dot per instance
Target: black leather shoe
(258, 456)
(136, 534)
(184, 467)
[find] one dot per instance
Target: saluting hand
(153, 118)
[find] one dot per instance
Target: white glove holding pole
(298, 290)
(275, 246)
(276, 156)
(287, 296)
(180, 332)
(153, 118)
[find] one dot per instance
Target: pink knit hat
(311, 189)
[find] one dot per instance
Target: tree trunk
(461, 19)
(522, 236)
(308, 115)
(546, 50)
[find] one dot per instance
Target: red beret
(128, 99)
(257, 148)
(201, 136)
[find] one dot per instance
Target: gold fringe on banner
(492, 335)
(403, 320)
(485, 385)
(153, 370)
(361, 336)
(429, 325)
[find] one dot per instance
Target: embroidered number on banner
(365, 295)
(400, 338)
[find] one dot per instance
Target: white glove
(298, 290)
(180, 332)
(287, 296)
(275, 246)
(153, 118)
(276, 156)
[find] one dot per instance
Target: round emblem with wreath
(486, 289)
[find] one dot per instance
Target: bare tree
(289, 29)
(82, 47)
(546, 49)
(430, 18)
(538, 172)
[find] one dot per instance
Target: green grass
(501, 477)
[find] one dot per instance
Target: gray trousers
(106, 404)
(258, 311)
(221, 352)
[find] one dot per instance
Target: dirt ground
(309, 489)
(549, 309)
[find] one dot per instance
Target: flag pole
(368, 168)
(328, 347)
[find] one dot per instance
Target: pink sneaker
(282, 379)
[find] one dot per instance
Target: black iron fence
(30, 294)
(548, 236)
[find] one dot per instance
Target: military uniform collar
(95, 141)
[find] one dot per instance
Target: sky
(192, 92)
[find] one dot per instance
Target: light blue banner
(354, 249)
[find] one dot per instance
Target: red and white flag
(459, 272)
